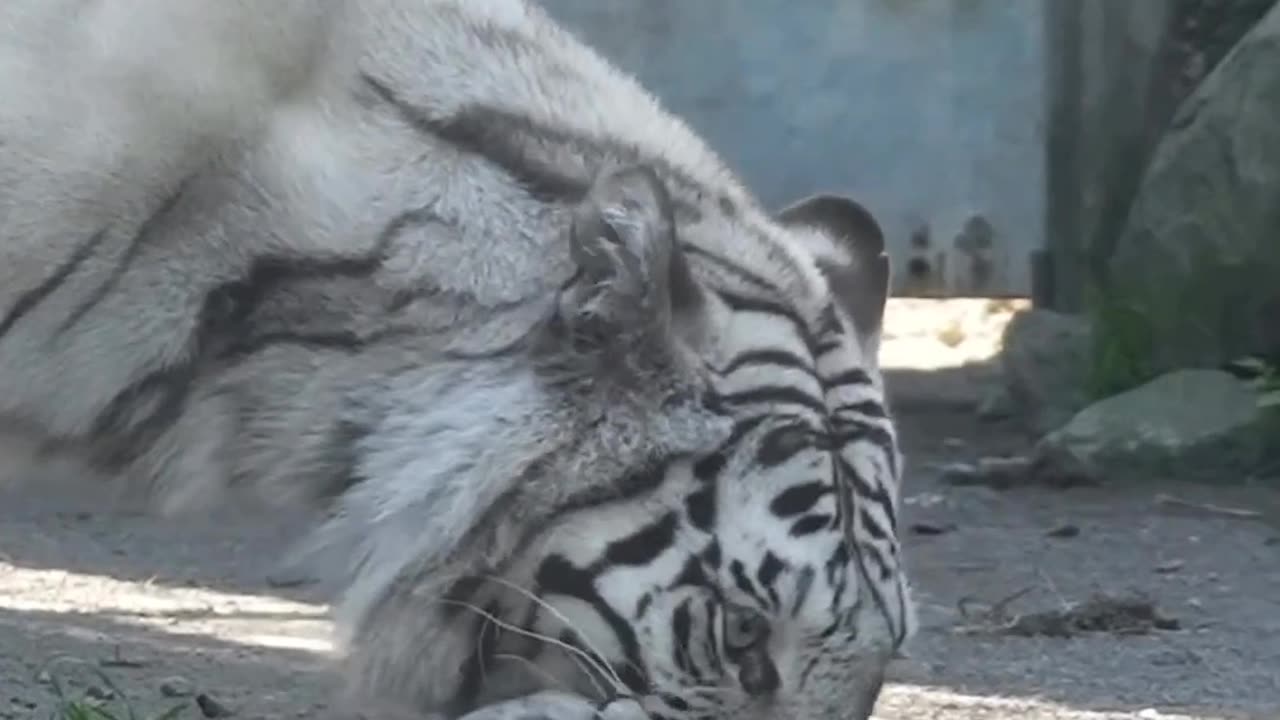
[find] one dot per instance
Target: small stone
(923, 528)
(1005, 471)
(1062, 468)
(999, 473)
(1169, 566)
(290, 575)
(924, 499)
(44, 678)
(176, 686)
(211, 708)
(1064, 531)
(118, 660)
(958, 473)
(277, 581)
(996, 405)
(93, 692)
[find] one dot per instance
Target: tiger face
(762, 578)
(815, 601)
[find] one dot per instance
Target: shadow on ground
(252, 681)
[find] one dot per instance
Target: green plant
(86, 708)
(1121, 347)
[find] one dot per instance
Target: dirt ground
(165, 609)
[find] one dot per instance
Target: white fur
(161, 161)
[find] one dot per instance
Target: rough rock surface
(1045, 363)
(1188, 425)
(1192, 281)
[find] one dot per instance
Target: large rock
(1194, 279)
(1045, 362)
(1194, 425)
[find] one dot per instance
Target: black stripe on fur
(557, 576)
(535, 155)
(28, 300)
(154, 223)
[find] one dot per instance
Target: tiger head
(761, 577)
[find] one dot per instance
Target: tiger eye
(744, 628)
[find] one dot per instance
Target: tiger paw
(622, 708)
(553, 705)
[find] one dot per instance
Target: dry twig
(1207, 508)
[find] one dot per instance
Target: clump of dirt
(1044, 466)
(1102, 613)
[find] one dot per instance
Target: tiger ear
(632, 280)
(853, 257)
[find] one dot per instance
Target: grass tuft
(90, 708)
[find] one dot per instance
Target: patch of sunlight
(929, 334)
(907, 700)
(192, 612)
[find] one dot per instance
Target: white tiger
(580, 414)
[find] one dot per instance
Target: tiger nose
(757, 674)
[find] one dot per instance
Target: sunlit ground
(918, 702)
(251, 620)
(933, 334)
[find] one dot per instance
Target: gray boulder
(1192, 425)
(1045, 363)
(1194, 278)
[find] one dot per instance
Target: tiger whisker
(479, 652)
(590, 672)
(597, 664)
(533, 598)
(535, 669)
(483, 668)
(578, 652)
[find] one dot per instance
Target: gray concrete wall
(981, 132)
(932, 112)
